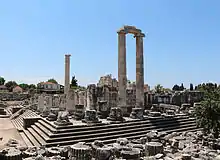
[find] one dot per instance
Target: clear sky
(182, 43)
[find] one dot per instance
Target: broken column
(67, 73)
(90, 112)
(91, 97)
(81, 97)
(40, 106)
(153, 148)
(70, 101)
(49, 101)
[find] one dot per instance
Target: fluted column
(67, 73)
(139, 71)
(122, 78)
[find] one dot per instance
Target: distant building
(3, 88)
(17, 89)
(108, 81)
(49, 87)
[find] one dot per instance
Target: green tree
(182, 87)
(176, 87)
(52, 80)
(24, 86)
(208, 113)
(73, 82)
(167, 90)
(2, 81)
(158, 88)
(10, 85)
(191, 87)
(33, 86)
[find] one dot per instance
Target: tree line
(11, 84)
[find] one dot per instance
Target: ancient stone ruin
(108, 120)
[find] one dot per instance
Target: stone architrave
(40, 106)
(122, 75)
(70, 101)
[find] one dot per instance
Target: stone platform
(47, 133)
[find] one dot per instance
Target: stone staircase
(17, 118)
(45, 133)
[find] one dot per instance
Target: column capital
(67, 55)
(139, 35)
(121, 31)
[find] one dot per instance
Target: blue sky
(182, 43)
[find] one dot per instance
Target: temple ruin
(108, 120)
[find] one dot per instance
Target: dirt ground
(7, 131)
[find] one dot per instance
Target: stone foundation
(91, 117)
(28, 121)
(116, 115)
(137, 113)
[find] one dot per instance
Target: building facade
(49, 87)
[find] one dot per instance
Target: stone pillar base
(137, 113)
(116, 114)
(91, 117)
(126, 110)
(79, 112)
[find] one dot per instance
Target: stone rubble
(154, 146)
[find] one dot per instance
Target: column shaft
(67, 74)
(122, 75)
(139, 72)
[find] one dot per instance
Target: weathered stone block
(91, 116)
(116, 115)
(137, 113)
(153, 148)
(28, 121)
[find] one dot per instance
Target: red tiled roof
(47, 83)
(17, 87)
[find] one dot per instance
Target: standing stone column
(70, 101)
(139, 71)
(122, 77)
(67, 73)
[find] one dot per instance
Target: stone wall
(13, 96)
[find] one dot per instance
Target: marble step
(26, 140)
(106, 126)
(37, 136)
(31, 138)
(115, 136)
(115, 130)
(40, 130)
(136, 129)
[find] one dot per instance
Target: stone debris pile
(154, 146)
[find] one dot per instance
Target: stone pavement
(7, 131)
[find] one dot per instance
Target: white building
(49, 87)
